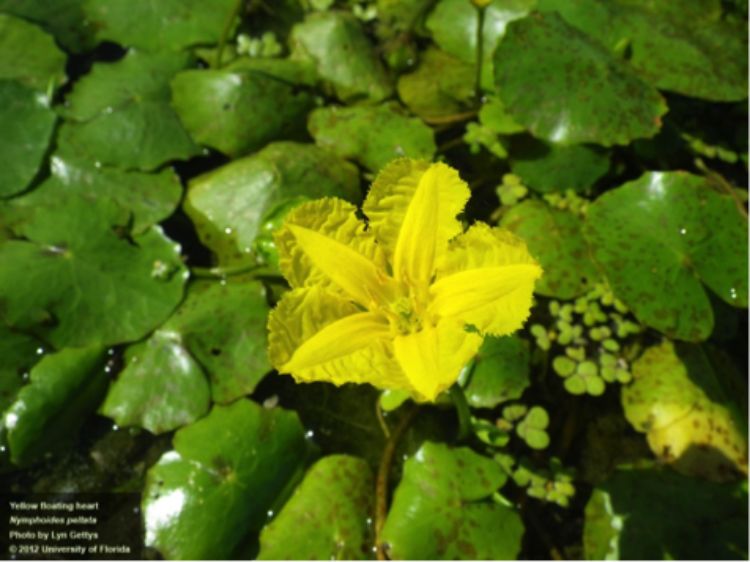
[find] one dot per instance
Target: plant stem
(225, 32)
(381, 484)
(462, 410)
(480, 53)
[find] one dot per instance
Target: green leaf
(75, 278)
(440, 509)
(501, 372)
(337, 494)
(229, 204)
(238, 112)
(29, 55)
(121, 115)
(158, 26)
(548, 167)
(149, 197)
(63, 18)
(344, 56)
(555, 239)
(64, 389)
(453, 24)
(672, 46)
(658, 237)
(441, 86)
(27, 127)
(161, 387)
(677, 399)
(642, 514)
(371, 135)
(565, 87)
(532, 428)
(218, 484)
(223, 326)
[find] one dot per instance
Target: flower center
(407, 312)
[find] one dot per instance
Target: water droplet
(733, 294)
(683, 231)
(97, 164)
(271, 402)
(309, 434)
(228, 231)
(39, 350)
(25, 376)
(107, 369)
(115, 427)
(2, 448)
(270, 513)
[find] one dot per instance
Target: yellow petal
(323, 243)
(487, 280)
(411, 209)
(320, 336)
(433, 358)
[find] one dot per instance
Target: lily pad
(453, 24)
(500, 373)
(344, 56)
(64, 389)
(149, 197)
(656, 514)
(75, 277)
(29, 55)
(337, 494)
(567, 88)
(27, 127)
(659, 239)
(238, 112)
(121, 114)
(64, 19)
(683, 50)
(441, 510)
(159, 26)
(546, 167)
(223, 326)
(161, 387)
(440, 87)
(555, 239)
(228, 205)
(676, 398)
(371, 135)
(217, 485)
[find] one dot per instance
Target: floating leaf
(64, 388)
(440, 87)
(440, 510)
(501, 372)
(29, 55)
(229, 204)
(149, 197)
(27, 127)
(532, 428)
(565, 87)
(218, 484)
(548, 167)
(554, 238)
(658, 237)
(683, 50)
(677, 399)
(453, 24)
(161, 387)
(343, 55)
(75, 278)
(337, 495)
(237, 112)
(223, 326)
(63, 18)
(371, 135)
(121, 115)
(159, 26)
(642, 514)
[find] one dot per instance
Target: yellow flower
(389, 302)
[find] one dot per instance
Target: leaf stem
(480, 53)
(381, 484)
(462, 410)
(225, 32)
